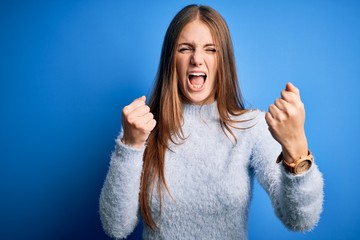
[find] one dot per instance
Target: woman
(188, 160)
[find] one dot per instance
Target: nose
(197, 58)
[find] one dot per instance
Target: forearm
(119, 199)
(299, 199)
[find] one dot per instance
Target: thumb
(138, 102)
(142, 98)
(291, 88)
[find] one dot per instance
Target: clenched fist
(286, 119)
(137, 122)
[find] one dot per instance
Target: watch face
(303, 166)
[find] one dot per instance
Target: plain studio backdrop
(67, 68)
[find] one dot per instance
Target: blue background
(68, 67)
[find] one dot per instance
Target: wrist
(298, 166)
(292, 156)
(295, 149)
(132, 144)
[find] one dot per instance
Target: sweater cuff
(125, 153)
(298, 179)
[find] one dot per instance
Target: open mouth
(197, 79)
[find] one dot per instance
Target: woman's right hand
(137, 122)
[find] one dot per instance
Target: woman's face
(196, 62)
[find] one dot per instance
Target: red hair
(166, 100)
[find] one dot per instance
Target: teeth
(197, 74)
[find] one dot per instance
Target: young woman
(187, 161)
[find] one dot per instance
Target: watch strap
(292, 167)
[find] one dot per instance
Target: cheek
(215, 64)
(212, 64)
(213, 69)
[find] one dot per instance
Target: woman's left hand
(286, 120)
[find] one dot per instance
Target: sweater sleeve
(297, 199)
(119, 198)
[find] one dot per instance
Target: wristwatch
(299, 166)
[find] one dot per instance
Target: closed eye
(185, 49)
(213, 50)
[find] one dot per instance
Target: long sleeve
(119, 198)
(297, 199)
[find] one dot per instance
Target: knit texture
(210, 178)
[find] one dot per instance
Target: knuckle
(154, 122)
(151, 116)
(282, 117)
(291, 113)
(137, 125)
(268, 120)
(126, 110)
(147, 108)
(131, 119)
(150, 125)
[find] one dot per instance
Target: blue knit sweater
(210, 179)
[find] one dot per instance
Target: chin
(199, 99)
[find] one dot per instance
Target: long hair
(166, 100)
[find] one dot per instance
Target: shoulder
(249, 119)
(250, 125)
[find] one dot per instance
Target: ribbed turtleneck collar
(208, 111)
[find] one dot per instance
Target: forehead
(196, 32)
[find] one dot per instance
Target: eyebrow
(189, 44)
